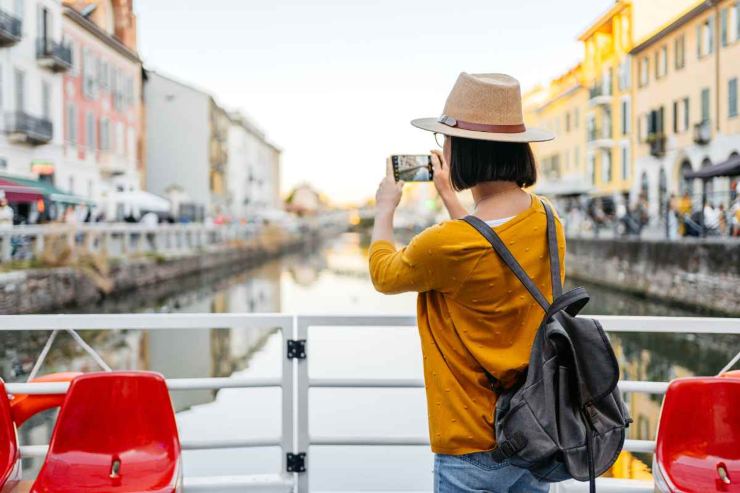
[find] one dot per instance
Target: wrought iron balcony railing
(657, 143)
(53, 55)
(22, 127)
(10, 29)
(703, 132)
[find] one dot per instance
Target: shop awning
(731, 167)
(17, 193)
(47, 190)
(568, 186)
(140, 201)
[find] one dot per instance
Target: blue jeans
(479, 473)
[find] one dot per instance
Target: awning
(574, 185)
(48, 190)
(731, 167)
(19, 194)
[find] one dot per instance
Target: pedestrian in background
(7, 214)
(684, 211)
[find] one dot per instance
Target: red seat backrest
(9, 452)
(699, 431)
(113, 416)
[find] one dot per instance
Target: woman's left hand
(389, 191)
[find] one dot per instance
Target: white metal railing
(295, 438)
(27, 242)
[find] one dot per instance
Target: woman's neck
(499, 199)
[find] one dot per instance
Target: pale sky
(334, 83)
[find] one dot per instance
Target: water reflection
(330, 279)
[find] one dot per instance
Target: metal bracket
(296, 462)
(296, 349)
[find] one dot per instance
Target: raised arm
(444, 186)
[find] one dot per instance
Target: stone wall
(52, 289)
(700, 274)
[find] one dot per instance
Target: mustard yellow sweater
(473, 315)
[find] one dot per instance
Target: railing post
(301, 382)
(287, 440)
(6, 250)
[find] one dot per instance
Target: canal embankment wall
(52, 289)
(702, 274)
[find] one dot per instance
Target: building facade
(33, 58)
(686, 103)
(253, 181)
(177, 113)
(102, 106)
(610, 97)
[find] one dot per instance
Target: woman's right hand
(441, 174)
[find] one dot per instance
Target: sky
(334, 83)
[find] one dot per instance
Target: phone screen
(408, 167)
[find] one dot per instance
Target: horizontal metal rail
(295, 422)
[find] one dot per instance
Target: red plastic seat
(115, 433)
(698, 442)
(10, 465)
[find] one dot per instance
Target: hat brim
(529, 135)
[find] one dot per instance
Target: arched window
(644, 185)
(662, 190)
(684, 183)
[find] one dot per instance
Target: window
(576, 118)
(103, 80)
(20, 90)
(104, 134)
(705, 104)
(679, 52)
(705, 37)
(576, 157)
(661, 62)
(732, 97)
(625, 165)
(71, 123)
(606, 166)
(675, 117)
(624, 74)
(89, 74)
(592, 168)
(71, 187)
(686, 114)
(19, 10)
(736, 23)
(46, 100)
(625, 116)
(644, 71)
(567, 122)
(723, 27)
(90, 135)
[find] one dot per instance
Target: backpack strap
(498, 245)
(552, 245)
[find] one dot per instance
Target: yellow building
(686, 103)
(560, 107)
(597, 155)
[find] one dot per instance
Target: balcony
(57, 57)
(10, 29)
(599, 94)
(111, 164)
(26, 129)
(599, 137)
(657, 143)
(703, 132)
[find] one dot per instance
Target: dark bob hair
(478, 161)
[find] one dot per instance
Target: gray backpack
(565, 417)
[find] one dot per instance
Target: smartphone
(412, 167)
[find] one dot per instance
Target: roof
(618, 6)
(103, 36)
(673, 25)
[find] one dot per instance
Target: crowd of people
(680, 216)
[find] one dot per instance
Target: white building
(253, 170)
(32, 59)
(178, 140)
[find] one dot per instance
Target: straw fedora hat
(484, 107)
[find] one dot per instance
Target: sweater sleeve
(419, 266)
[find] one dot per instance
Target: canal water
(328, 279)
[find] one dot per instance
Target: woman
(476, 320)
